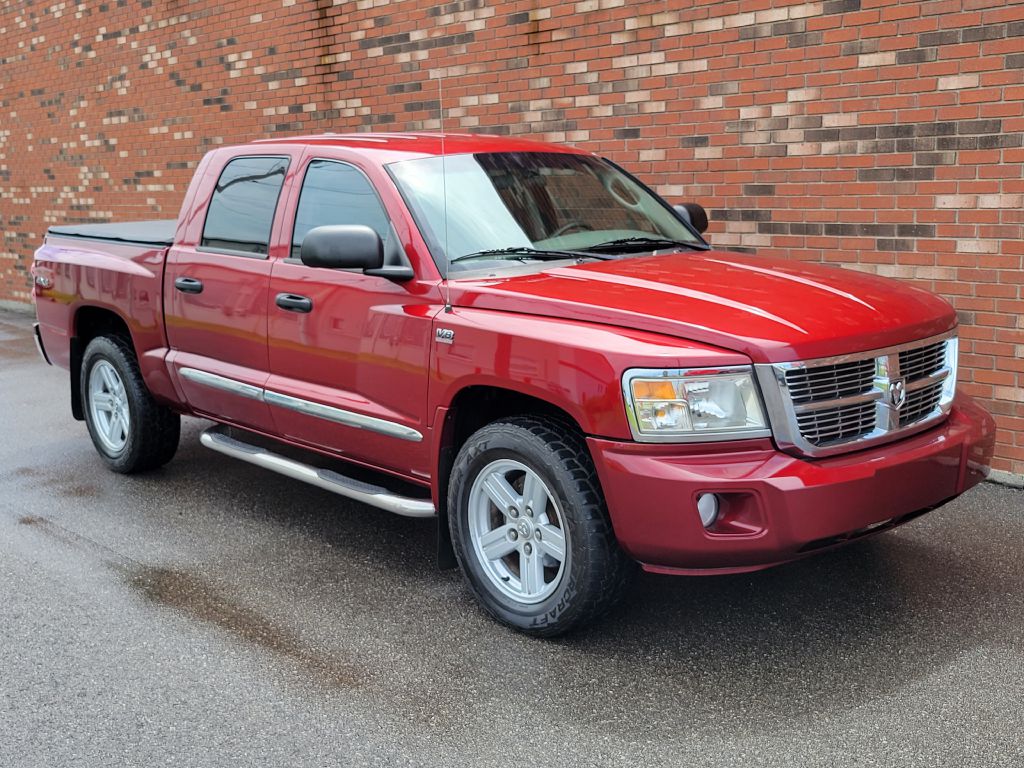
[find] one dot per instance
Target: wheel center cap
(525, 528)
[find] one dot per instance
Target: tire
(113, 391)
(510, 557)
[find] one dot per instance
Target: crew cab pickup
(524, 341)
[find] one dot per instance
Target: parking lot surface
(211, 614)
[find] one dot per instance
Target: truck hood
(772, 310)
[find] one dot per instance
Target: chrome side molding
(216, 439)
(308, 407)
(348, 418)
(222, 383)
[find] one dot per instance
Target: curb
(1011, 479)
(21, 307)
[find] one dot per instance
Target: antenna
(445, 288)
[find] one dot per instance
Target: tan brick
(876, 59)
(977, 246)
(770, 15)
(803, 94)
(956, 201)
(1013, 202)
(1015, 394)
(805, 10)
(957, 82)
(694, 65)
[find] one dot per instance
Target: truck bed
(158, 232)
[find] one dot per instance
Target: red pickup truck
(524, 341)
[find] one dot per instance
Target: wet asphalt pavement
(211, 614)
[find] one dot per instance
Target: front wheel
(530, 528)
(131, 431)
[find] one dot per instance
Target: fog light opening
(707, 508)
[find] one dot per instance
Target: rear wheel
(530, 529)
(131, 431)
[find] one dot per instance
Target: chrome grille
(924, 361)
(920, 403)
(830, 382)
(833, 405)
(830, 424)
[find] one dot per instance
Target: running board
(356, 490)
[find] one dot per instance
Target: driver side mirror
(694, 215)
(342, 246)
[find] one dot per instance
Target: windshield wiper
(522, 252)
(643, 243)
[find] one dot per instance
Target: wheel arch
(475, 406)
(90, 321)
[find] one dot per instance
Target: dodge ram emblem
(898, 393)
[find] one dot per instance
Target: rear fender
(120, 279)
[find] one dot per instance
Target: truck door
(348, 351)
(215, 289)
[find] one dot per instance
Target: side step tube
(373, 495)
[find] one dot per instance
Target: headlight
(693, 404)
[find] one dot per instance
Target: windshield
(528, 200)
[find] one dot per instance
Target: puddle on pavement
(64, 486)
(17, 349)
(16, 339)
(198, 599)
(80, 491)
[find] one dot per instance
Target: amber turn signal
(645, 389)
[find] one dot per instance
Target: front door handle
(294, 303)
(189, 285)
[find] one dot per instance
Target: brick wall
(884, 136)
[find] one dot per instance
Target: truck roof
(423, 144)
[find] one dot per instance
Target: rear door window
(242, 208)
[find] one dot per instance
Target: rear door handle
(294, 303)
(188, 285)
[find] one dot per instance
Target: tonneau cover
(158, 232)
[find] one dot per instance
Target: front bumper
(777, 507)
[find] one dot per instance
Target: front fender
(575, 366)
